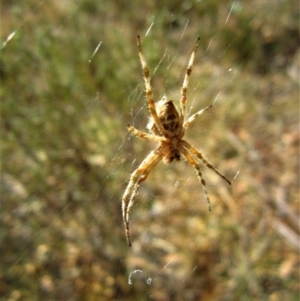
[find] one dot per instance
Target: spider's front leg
(125, 204)
(197, 168)
(138, 176)
(196, 153)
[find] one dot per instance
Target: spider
(167, 126)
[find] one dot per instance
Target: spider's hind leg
(186, 80)
(149, 95)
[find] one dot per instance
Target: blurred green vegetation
(66, 155)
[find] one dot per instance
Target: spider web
(226, 76)
(67, 156)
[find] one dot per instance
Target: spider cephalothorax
(167, 125)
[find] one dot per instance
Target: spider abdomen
(168, 115)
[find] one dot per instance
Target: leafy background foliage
(66, 155)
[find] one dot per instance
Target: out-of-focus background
(70, 83)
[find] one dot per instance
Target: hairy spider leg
(143, 135)
(138, 176)
(195, 152)
(186, 82)
(149, 95)
(194, 116)
(197, 168)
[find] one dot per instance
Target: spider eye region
(175, 155)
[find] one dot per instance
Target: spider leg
(186, 81)
(140, 134)
(138, 176)
(197, 168)
(195, 152)
(149, 95)
(194, 116)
